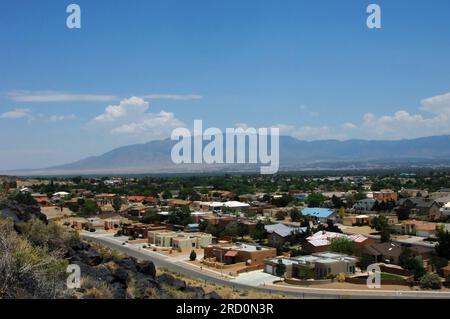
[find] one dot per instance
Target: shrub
(331, 276)
(341, 277)
(193, 255)
(430, 281)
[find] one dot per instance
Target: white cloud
(127, 108)
(52, 96)
(28, 114)
(130, 117)
(348, 126)
(58, 118)
(17, 114)
(175, 97)
(403, 124)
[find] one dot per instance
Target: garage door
(269, 269)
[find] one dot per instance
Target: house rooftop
(317, 212)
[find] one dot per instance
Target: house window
(193, 244)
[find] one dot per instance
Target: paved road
(303, 292)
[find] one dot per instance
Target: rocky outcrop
(121, 275)
(20, 212)
(104, 274)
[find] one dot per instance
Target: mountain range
(154, 157)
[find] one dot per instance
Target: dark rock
(212, 295)
(147, 268)
(119, 290)
(171, 281)
(20, 212)
(91, 257)
(121, 275)
(128, 263)
(197, 292)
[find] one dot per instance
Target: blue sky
(312, 68)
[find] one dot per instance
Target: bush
(331, 276)
(430, 281)
(193, 255)
(28, 270)
(341, 277)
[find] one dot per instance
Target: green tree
(151, 216)
(280, 269)
(341, 212)
(337, 202)
(193, 255)
(365, 260)
(280, 215)
(443, 246)
(166, 194)
(24, 198)
(296, 215)
(89, 208)
(259, 232)
(117, 203)
(438, 262)
(342, 245)
(315, 200)
(180, 216)
(380, 222)
(385, 235)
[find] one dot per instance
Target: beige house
(179, 240)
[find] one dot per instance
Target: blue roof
(317, 212)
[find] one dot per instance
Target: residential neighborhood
(284, 231)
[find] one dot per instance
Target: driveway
(255, 278)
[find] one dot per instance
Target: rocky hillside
(35, 255)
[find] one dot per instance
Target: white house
(364, 205)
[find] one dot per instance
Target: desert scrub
(27, 270)
(93, 289)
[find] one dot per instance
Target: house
(136, 199)
(408, 192)
(420, 206)
(384, 195)
(141, 230)
(364, 205)
(61, 194)
(278, 234)
(389, 252)
(208, 206)
(136, 210)
(426, 229)
(235, 205)
(192, 228)
(251, 255)
(445, 210)
(316, 266)
(104, 199)
(321, 241)
(356, 220)
(320, 214)
(214, 219)
(179, 203)
(178, 240)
